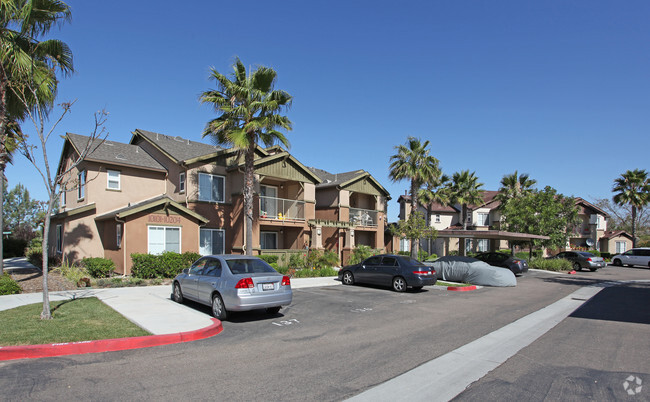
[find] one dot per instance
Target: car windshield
(248, 266)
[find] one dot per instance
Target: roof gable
(177, 149)
(282, 165)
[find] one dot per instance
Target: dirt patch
(31, 281)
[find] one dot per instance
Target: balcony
(363, 217)
(281, 209)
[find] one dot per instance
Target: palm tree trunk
(249, 173)
(415, 243)
(3, 154)
(633, 226)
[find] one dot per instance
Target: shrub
(269, 258)
(329, 259)
(315, 273)
(550, 265)
(406, 253)
(525, 255)
(297, 260)
(432, 257)
(422, 255)
(165, 265)
(282, 270)
(360, 253)
(35, 257)
(72, 272)
(594, 252)
(8, 286)
(98, 267)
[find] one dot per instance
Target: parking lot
(330, 344)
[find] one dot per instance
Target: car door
(189, 284)
(367, 272)
(387, 270)
(208, 279)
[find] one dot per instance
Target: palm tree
(248, 110)
(632, 188)
(464, 189)
(413, 162)
(27, 71)
(514, 185)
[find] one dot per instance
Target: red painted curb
(461, 288)
(572, 272)
(106, 345)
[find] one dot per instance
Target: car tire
(218, 308)
(178, 293)
(273, 310)
(348, 278)
(618, 263)
(577, 266)
(399, 284)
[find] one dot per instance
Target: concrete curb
(106, 345)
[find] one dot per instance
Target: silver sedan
(233, 283)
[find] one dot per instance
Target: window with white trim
(269, 240)
(483, 219)
(63, 198)
(164, 238)
(212, 241)
(211, 187)
(113, 179)
(59, 238)
(181, 182)
(621, 247)
(118, 235)
(438, 218)
(81, 189)
(483, 245)
(404, 245)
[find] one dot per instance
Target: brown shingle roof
(115, 153)
(178, 148)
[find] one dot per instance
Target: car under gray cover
(473, 271)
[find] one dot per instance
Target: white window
(483, 245)
(268, 240)
(404, 245)
(211, 187)
(437, 218)
(113, 179)
(212, 241)
(63, 198)
(164, 238)
(181, 182)
(621, 247)
(59, 238)
(118, 235)
(600, 222)
(468, 245)
(483, 219)
(81, 190)
(269, 201)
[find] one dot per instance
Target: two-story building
(161, 193)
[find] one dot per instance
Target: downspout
(123, 242)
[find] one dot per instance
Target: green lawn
(75, 320)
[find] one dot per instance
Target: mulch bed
(31, 281)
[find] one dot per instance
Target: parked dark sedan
(397, 271)
(516, 265)
(582, 259)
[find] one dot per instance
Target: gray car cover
(471, 270)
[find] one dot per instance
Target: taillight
(422, 272)
(246, 283)
(589, 259)
(286, 281)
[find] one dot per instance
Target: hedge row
(165, 265)
(8, 286)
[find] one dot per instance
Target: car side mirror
(186, 271)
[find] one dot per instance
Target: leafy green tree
(620, 217)
(464, 189)
(27, 62)
(545, 213)
(413, 162)
(435, 191)
(633, 189)
(22, 213)
(248, 109)
(414, 228)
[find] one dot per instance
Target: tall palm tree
(413, 162)
(632, 188)
(464, 189)
(514, 185)
(248, 109)
(28, 67)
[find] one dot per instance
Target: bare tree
(55, 183)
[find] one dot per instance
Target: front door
(269, 201)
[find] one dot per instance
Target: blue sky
(559, 90)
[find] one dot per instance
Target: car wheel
(399, 284)
(178, 293)
(577, 266)
(348, 278)
(218, 308)
(618, 263)
(273, 310)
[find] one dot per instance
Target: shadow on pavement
(620, 303)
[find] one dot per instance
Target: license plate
(267, 286)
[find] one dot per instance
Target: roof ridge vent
(121, 157)
(179, 138)
(107, 142)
